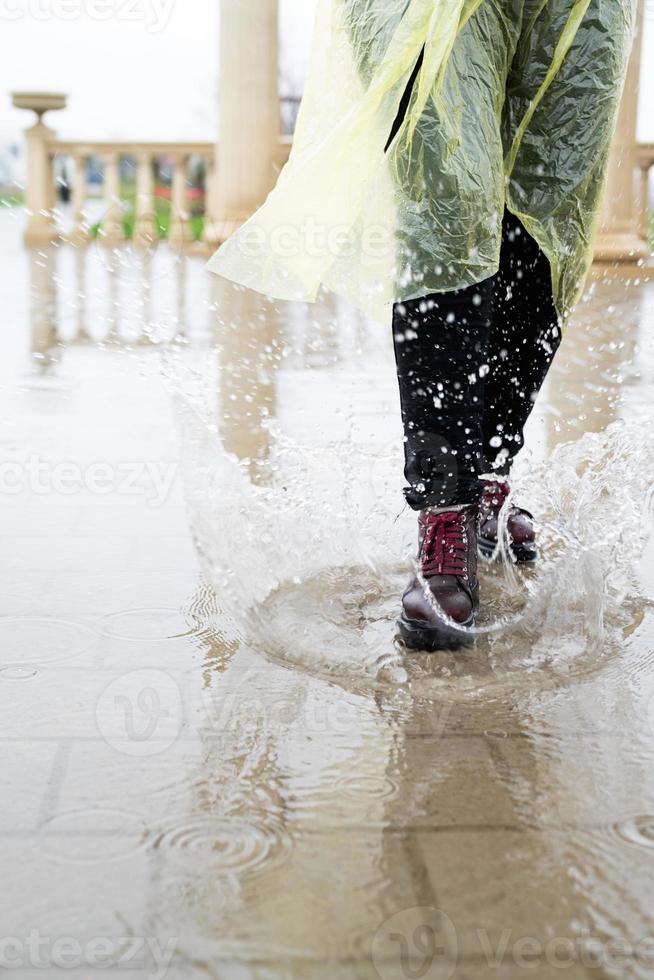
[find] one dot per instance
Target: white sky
(147, 69)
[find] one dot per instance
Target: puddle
(308, 566)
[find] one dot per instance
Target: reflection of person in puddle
(457, 152)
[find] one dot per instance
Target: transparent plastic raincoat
(514, 105)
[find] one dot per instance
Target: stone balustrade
(214, 205)
(142, 156)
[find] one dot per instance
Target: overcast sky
(147, 69)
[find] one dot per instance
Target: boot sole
(523, 554)
(418, 634)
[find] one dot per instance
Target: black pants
(470, 364)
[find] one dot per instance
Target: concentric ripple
(224, 845)
(637, 830)
(144, 624)
(93, 835)
(38, 641)
(18, 672)
(83, 922)
(364, 787)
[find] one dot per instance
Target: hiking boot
(436, 609)
(520, 525)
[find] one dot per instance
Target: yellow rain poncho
(514, 106)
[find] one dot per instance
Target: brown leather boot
(520, 525)
(434, 612)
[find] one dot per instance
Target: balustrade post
(210, 233)
(145, 230)
(178, 232)
(79, 231)
(112, 222)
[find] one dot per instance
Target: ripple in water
(38, 641)
(364, 787)
(223, 845)
(93, 835)
(144, 624)
(18, 672)
(637, 830)
(83, 922)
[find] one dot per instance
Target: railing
(139, 214)
(645, 163)
(112, 225)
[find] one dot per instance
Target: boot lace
(494, 495)
(445, 544)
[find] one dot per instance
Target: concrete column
(620, 239)
(39, 185)
(145, 232)
(249, 126)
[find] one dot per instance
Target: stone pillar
(249, 127)
(620, 240)
(39, 185)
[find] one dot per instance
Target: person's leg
(441, 349)
(524, 338)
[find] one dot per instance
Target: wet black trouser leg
(470, 364)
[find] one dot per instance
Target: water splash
(307, 559)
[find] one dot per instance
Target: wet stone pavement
(216, 761)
